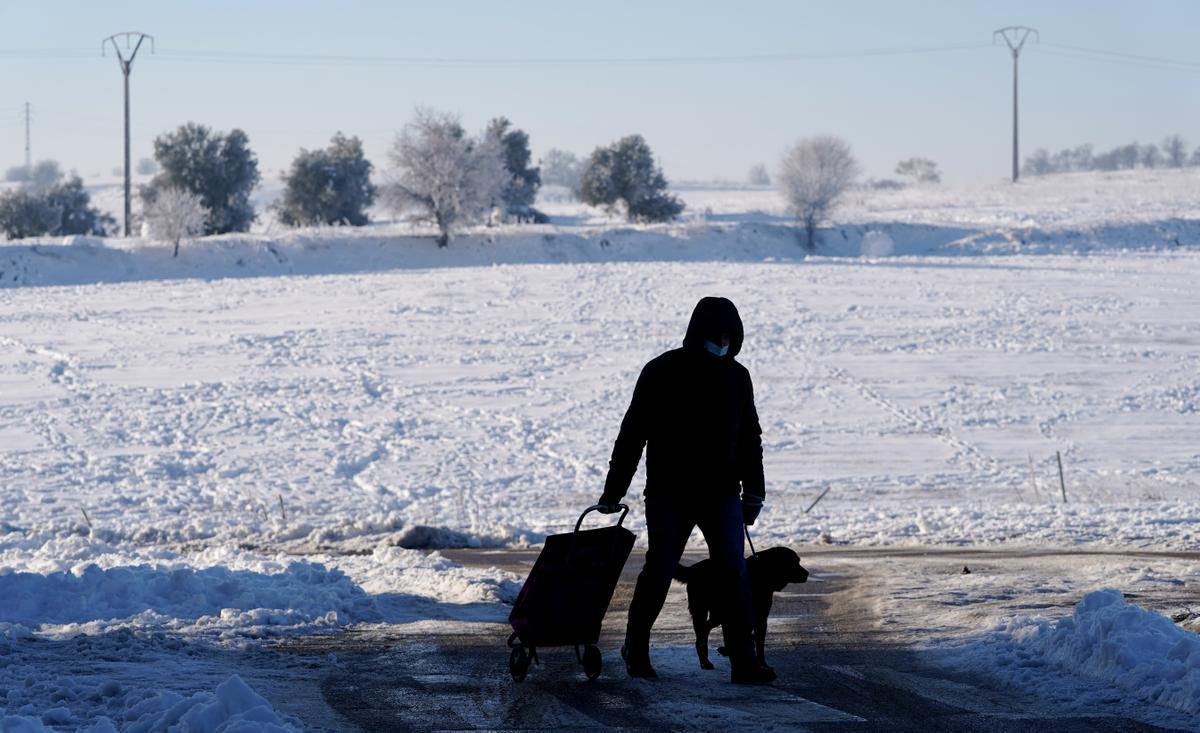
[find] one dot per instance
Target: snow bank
(302, 593)
(231, 593)
(1106, 639)
(330, 250)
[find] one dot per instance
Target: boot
(745, 668)
(637, 660)
(755, 675)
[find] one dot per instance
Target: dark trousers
(669, 524)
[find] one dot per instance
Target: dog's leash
(746, 529)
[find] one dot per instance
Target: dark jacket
(694, 412)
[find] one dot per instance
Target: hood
(712, 317)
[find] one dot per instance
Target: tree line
(439, 173)
(1172, 153)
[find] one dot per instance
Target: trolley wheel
(592, 662)
(518, 663)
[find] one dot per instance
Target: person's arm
(627, 451)
(750, 459)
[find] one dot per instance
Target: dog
(769, 571)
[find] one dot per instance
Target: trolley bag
(567, 593)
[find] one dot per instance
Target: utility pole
(27, 115)
(1015, 36)
(133, 40)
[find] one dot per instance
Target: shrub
(330, 186)
(624, 176)
(63, 208)
(218, 167)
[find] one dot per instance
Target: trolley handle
(597, 507)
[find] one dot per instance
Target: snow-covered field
(203, 449)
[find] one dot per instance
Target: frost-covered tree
(624, 176)
(146, 167)
(922, 170)
(562, 168)
(1149, 156)
(521, 188)
(1128, 156)
(55, 210)
(1037, 164)
(218, 167)
(1195, 159)
(41, 175)
(174, 215)
(813, 176)
(330, 186)
(1174, 149)
(758, 176)
(26, 214)
(443, 175)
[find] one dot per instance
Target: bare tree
(1175, 149)
(562, 168)
(1149, 156)
(175, 214)
(814, 174)
(758, 176)
(442, 174)
(921, 170)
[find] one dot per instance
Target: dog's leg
(761, 611)
(700, 624)
(699, 613)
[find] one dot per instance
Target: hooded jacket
(693, 412)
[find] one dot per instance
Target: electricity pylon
(27, 116)
(133, 40)
(1015, 36)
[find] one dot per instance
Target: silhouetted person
(693, 410)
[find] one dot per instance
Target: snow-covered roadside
(163, 631)
(1079, 630)
(1107, 639)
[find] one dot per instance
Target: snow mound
(302, 593)
(233, 708)
(1109, 640)
(877, 244)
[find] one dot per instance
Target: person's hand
(751, 506)
(608, 504)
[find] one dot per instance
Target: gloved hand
(608, 504)
(751, 506)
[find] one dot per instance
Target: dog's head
(778, 566)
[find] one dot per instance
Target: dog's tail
(683, 573)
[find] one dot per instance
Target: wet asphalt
(838, 671)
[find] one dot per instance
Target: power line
(228, 57)
(217, 56)
(1122, 60)
(1128, 56)
(306, 59)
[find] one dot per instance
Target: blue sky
(703, 120)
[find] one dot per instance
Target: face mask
(716, 350)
